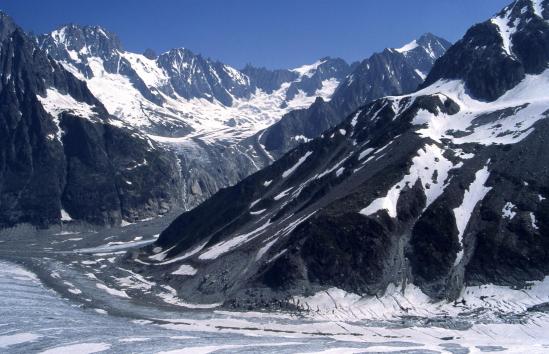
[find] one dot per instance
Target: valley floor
(61, 291)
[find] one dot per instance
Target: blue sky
(274, 33)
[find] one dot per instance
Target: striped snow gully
(428, 160)
(538, 7)
(472, 196)
(282, 233)
(422, 75)
(184, 256)
(299, 162)
(283, 194)
(226, 246)
(505, 30)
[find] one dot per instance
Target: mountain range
(440, 188)
(156, 133)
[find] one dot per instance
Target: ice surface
(8, 340)
(337, 322)
(80, 348)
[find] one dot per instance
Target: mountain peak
(76, 37)
(179, 52)
(7, 26)
(429, 37)
(435, 46)
(495, 55)
(150, 54)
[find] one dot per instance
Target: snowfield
(209, 120)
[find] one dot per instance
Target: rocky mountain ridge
(60, 156)
(182, 94)
(390, 72)
(207, 112)
(439, 189)
(197, 115)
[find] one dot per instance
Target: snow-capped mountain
(442, 188)
(203, 110)
(60, 156)
(197, 108)
(390, 72)
(182, 94)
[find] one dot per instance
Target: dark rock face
(183, 94)
(269, 80)
(418, 189)
(283, 135)
(357, 256)
(150, 54)
(192, 76)
(70, 162)
(112, 175)
(434, 46)
(328, 68)
(390, 72)
(515, 251)
(525, 51)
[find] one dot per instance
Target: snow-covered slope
(181, 94)
(61, 159)
(443, 188)
(218, 120)
(391, 72)
(197, 108)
